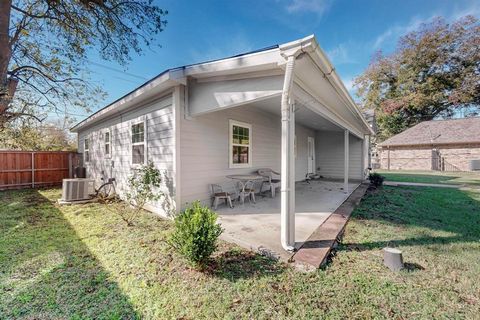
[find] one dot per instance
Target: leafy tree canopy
(44, 46)
(31, 135)
(434, 72)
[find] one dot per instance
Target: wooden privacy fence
(30, 169)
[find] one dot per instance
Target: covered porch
(257, 226)
(298, 120)
(320, 147)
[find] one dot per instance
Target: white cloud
(318, 7)
(348, 84)
(472, 9)
(348, 81)
(391, 35)
(340, 55)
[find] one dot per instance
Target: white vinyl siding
(159, 144)
(205, 144)
(330, 155)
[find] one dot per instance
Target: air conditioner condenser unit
(474, 165)
(77, 189)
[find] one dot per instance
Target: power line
(117, 70)
(66, 113)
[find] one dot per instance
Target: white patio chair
(270, 180)
(219, 194)
(246, 191)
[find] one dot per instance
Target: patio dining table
(244, 179)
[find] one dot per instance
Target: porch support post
(346, 161)
(365, 156)
(288, 162)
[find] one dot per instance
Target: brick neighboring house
(443, 145)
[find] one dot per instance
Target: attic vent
(474, 165)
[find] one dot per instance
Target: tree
(434, 72)
(26, 134)
(44, 46)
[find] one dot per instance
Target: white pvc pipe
(288, 161)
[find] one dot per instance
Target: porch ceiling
(303, 115)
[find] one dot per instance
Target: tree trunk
(6, 89)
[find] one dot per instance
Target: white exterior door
(311, 155)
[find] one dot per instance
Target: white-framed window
(86, 150)
(138, 142)
(240, 144)
(107, 146)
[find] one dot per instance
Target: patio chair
(219, 194)
(271, 182)
(247, 192)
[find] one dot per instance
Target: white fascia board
(259, 61)
(298, 46)
(321, 59)
(310, 46)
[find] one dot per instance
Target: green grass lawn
(83, 262)
(458, 178)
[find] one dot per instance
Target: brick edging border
(315, 251)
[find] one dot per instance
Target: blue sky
(349, 31)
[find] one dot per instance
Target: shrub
(142, 187)
(376, 179)
(195, 234)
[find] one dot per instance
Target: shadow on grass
(46, 271)
(236, 264)
(449, 215)
(413, 266)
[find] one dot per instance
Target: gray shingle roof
(434, 132)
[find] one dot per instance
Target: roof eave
(156, 85)
(310, 45)
(427, 144)
(258, 61)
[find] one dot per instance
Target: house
(283, 107)
(444, 145)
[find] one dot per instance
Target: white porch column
(288, 162)
(365, 155)
(346, 161)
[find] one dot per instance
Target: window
(138, 143)
(240, 144)
(107, 140)
(86, 150)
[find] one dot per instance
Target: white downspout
(288, 161)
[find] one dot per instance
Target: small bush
(142, 187)
(195, 234)
(376, 179)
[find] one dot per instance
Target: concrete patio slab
(257, 226)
